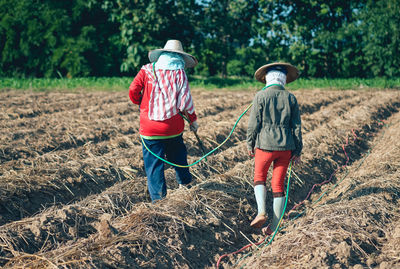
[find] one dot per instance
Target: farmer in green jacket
(273, 136)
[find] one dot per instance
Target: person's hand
(194, 126)
(251, 152)
(296, 160)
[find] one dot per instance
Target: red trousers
(263, 160)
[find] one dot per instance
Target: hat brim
(292, 72)
(190, 61)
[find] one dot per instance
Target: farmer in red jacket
(161, 90)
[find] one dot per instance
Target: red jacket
(139, 92)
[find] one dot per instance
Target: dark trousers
(174, 151)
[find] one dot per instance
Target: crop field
(73, 190)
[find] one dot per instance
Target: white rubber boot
(260, 191)
(278, 206)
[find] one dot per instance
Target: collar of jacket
(266, 87)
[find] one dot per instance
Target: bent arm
(185, 100)
(254, 124)
(136, 87)
(296, 128)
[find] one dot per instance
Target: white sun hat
(174, 46)
(292, 72)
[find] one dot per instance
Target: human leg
(263, 161)
(154, 168)
(176, 153)
(260, 192)
(281, 164)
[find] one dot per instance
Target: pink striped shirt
(170, 93)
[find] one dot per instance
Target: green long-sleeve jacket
(275, 122)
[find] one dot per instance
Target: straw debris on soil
(355, 224)
(73, 189)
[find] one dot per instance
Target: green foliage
(246, 61)
(312, 34)
(146, 25)
(226, 25)
(55, 38)
(196, 82)
(380, 23)
(323, 38)
(88, 83)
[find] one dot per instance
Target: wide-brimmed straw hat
(292, 72)
(174, 46)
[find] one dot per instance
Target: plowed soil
(73, 190)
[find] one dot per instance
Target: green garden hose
(204, 156)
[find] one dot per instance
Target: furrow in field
(59, 177)
(233, 181)
(28, 185)
(218, 162)
(323, 164)
(312, 101)
(20, 105)
(70, 129)
(71, 222)
(323, 145)
(91, 114)
(209, 104)
(336, 109)
(356, 223)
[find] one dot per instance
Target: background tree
(380, 27)
(311, 34)
(56, 38)
(146, 25)
(324, 38)
(225, 26)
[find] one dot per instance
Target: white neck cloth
(275, 77)
(170, 61)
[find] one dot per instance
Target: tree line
(78, 38)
